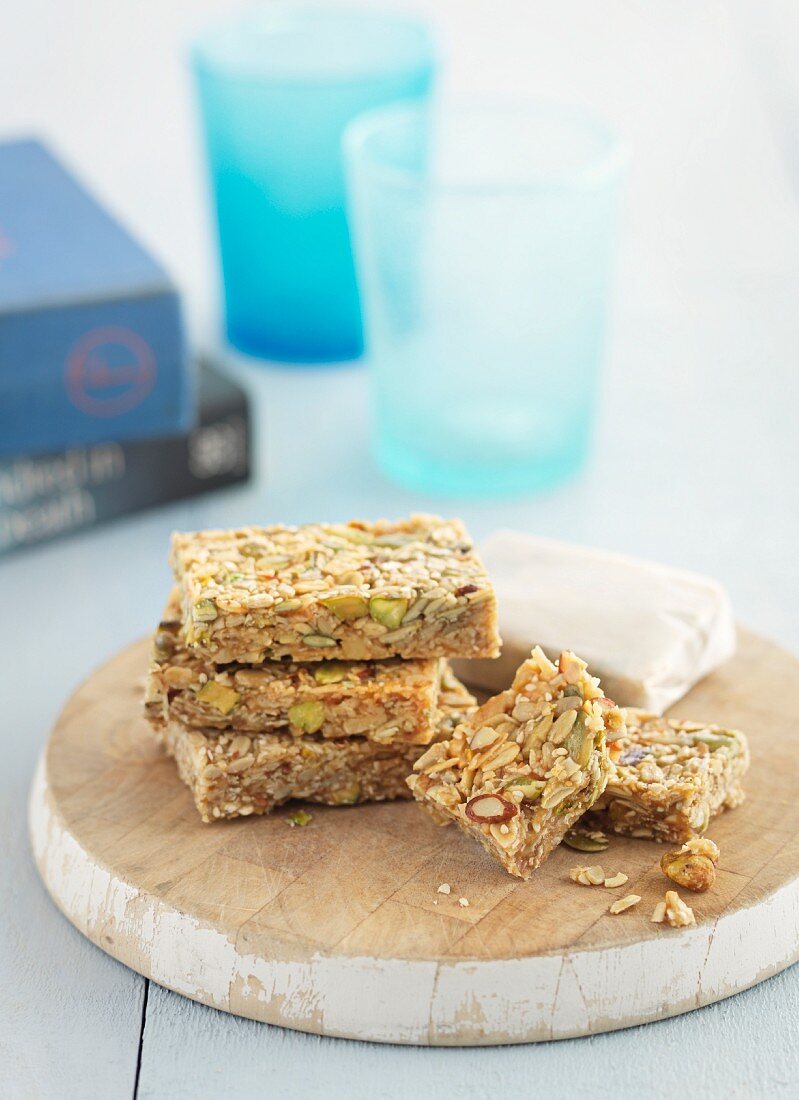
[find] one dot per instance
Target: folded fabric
(648, 631)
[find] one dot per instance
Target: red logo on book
(7, 246)
(109, 371)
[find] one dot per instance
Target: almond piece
(490, 809)
(483, 738)
(624, 903)
(617, 880)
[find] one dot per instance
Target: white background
(696, 464)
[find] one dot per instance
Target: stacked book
(102, 412)
(311, 662)
(55, 493)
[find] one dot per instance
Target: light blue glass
(277, 88)
(483, 240)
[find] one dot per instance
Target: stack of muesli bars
(310, 662)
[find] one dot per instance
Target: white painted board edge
(464, 1003)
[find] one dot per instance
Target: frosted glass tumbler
(277, 88)
(483, 240)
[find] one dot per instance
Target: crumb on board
(693, 866)
(463, 902)
(444, 888)
(624, 903)
(613, 881)
(673, 910)
(588, 876)
(595, 876)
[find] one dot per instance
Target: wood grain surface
(338, 928)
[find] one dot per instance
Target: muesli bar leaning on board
(669, 777)
(385, 701)
(235, 775)
(355, 591)
(526, 765)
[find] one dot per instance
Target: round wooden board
(337, 927)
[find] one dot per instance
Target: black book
(43, 496)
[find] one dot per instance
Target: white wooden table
(695, 465)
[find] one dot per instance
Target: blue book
(92, 347)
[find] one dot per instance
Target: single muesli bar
(669, 777)
(526, 765)
(235, 774)
(355, 591)
(386, 701)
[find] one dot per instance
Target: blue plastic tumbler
(483, 238)
(277, 88)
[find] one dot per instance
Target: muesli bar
(669, 777)
(526, 765)
(355, 591)
(385, 701)
(235, 775)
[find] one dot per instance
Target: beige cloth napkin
(648, 631)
